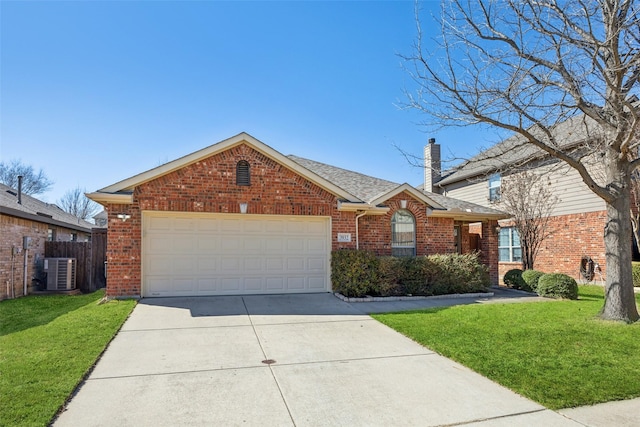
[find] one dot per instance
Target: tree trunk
(619, 301)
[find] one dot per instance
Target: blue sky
(95, 92)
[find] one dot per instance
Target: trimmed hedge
(354, 273)
(359, 273)
(557, 285)
(513, 279)
(531, 278)
(635, 271)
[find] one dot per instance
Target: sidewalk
(624, 413)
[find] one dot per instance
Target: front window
(494, 187)
(509, 245)
(403, 234)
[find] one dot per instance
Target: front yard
(47, 345)
(556, 353)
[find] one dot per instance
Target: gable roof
(375, 190)
(356, 191)
(122, 191)
(517, 151)
(39, 211)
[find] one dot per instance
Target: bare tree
(32, 182)
(528, 198)
(528, 66)
(635, 206)
(77, 204)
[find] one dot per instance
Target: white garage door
(187, 254)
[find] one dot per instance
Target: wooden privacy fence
(90, 258)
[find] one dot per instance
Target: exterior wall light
(123, 216)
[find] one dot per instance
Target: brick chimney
(432, 165)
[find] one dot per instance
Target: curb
(412, 298)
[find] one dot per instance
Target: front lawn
(556, 353)
(47, 345)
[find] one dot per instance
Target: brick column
(489, 249)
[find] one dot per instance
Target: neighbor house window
(403, 234)
(494, 187)
(509, 245)
(51, 235)
(243, 175)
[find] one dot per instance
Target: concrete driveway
(298, 360)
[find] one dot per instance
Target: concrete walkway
(298, 360)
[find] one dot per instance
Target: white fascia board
(362, 207)
(460, 215)
(242, 138)
(409, 189)
(114, 198)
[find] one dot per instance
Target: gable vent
(243, 173)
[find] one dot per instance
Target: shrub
(557, 285)
(354, 273)
(455, 273)
(359, 273)
(531, 278)
(389, 276)
(635, 271)
(513, 279)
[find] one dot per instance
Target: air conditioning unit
(61, 273)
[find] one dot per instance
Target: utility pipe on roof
(357, 236)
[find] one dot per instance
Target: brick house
(577, 220)
(23, 216)
(239, 217)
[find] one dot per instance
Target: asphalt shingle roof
(516, 150)
(42, 210)
(368, 188)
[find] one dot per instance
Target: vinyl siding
(573, 194)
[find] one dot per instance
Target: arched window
(243, 173)
(403, 233)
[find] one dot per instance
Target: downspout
(357, 236)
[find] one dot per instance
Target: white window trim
(495, 182)
(511, 246)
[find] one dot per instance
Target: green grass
(557, 353)
(47, 345)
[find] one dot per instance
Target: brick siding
(209, 185)
(572, 237)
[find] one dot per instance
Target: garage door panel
(317, 264)
(317, 245)
(253, 245)
(296, 264)
(206, 286)
(183, 265)
(230, 254)
(274, 244)
(295, 245)
(273, 264)
(317, 283)
(228, 284)
(230, 264)
(274, 226)
(296, 283)
(274, 283)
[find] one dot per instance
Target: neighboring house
(238, 217)
(101, 219)
(23, 216)
(577, 220)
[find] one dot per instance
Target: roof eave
(130, 183)
(409, 189)
(42, 219)
(111, 198)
